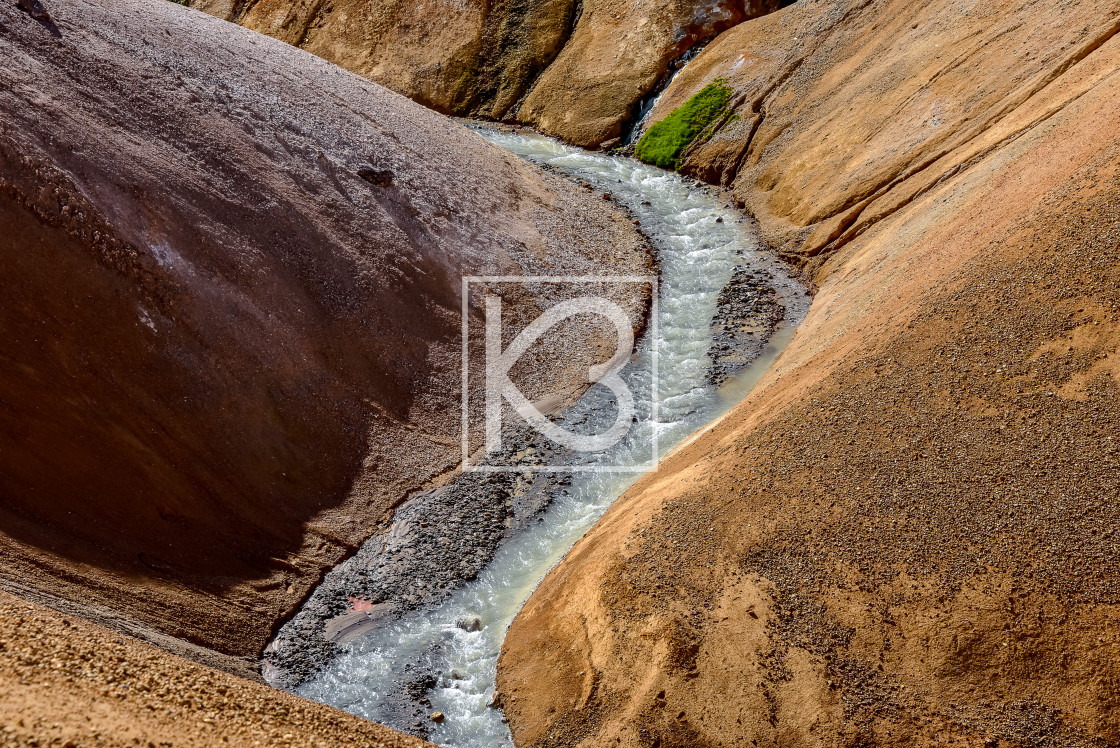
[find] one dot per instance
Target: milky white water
(697, 256)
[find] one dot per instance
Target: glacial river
(697, 253)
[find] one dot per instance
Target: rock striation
(577, 69)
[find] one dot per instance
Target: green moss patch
(664, 141)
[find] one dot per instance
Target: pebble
(469, 624)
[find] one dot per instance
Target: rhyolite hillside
(67, 681)
(907, 534)
(232, 294)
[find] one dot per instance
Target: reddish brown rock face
(841, 115)
(232, 310)
(574, 69)
(906, 534)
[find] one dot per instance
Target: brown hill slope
(572, 68)
(67, 682)
(232, 311)
(907, 534)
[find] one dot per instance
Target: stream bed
(725, 310)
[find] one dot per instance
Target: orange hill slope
(907, 534)
(231, 311)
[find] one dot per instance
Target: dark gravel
(748, 313)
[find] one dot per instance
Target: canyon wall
(577, 69)
(907, 533)
(232, 311)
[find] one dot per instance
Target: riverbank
(234, 306)
(435, 541)
(274, 362)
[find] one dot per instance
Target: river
(700, 243)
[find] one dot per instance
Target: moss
(664, 142)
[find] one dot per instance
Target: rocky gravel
(68, 683)
(749, 312)
(438, 540)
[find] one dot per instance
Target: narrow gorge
(440, 652)
(263, 261)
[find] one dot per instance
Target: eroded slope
(232, 306)
(907, 534)
(69, 682)
(576, 69)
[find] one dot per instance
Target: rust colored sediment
(66, 681)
